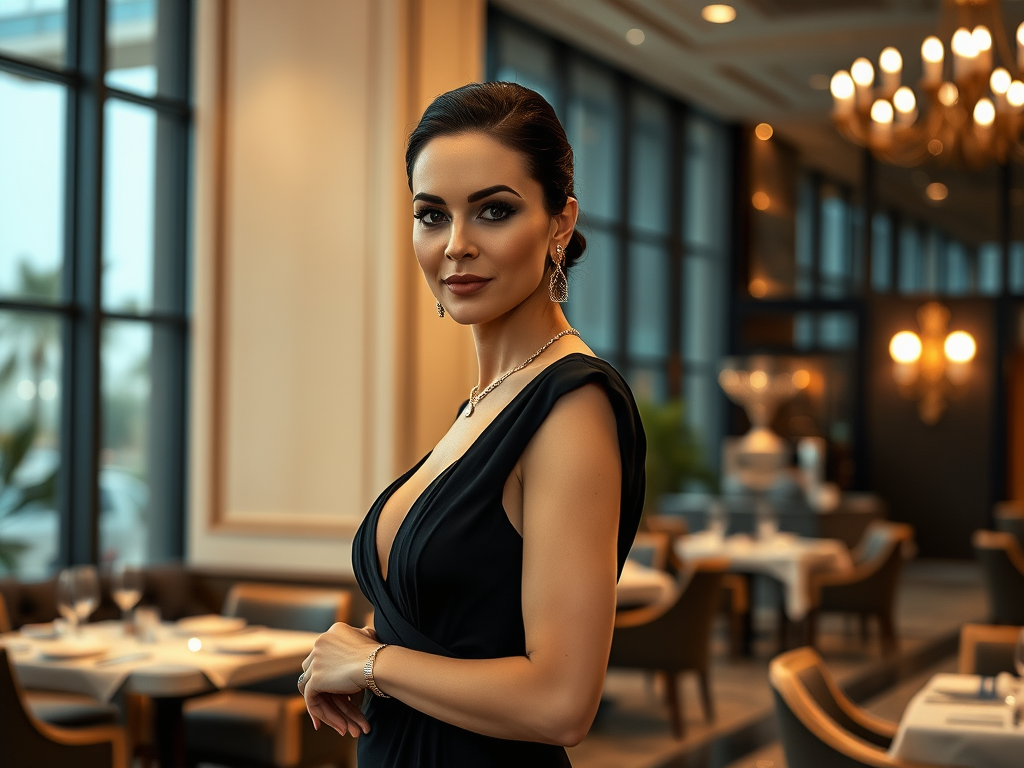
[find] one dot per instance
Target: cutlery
(125, 657)
(975, 721)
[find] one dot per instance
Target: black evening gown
(454, 583)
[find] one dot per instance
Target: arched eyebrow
(471, 199)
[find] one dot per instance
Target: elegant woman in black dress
(491, 564)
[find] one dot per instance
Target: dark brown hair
(520, 119)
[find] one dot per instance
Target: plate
(45, 631)
(210, 624)
(71, 649)
(246, 645)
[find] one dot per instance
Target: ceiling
(771, 64)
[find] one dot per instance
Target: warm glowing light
(635, 36)
(905, 347)
(763, 131)
(718, 13)
(935, 147)
(1015, 94)
(960, 347)
(964, 44)
(948, 94)
(904, 100)
(890, 60)
(759, 379)
(862, 72)
(841, 85)
(936, 191)
(758, 288)
(1020, 33)
(982, 38)
(932, 50)
(881, 112)
(761, 201)
(1000, 81)
(801, 379)
(195, 644)
(984, 113)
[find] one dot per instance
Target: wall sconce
(931, 367)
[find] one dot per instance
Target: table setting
(964, 720)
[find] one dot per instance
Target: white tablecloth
(790, 559)
(170, 670)
(642, 585)
(962, 733)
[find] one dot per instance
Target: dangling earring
(558, 286)
(440, 310)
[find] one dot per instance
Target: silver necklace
(475, 398)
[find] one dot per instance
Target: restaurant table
(945, 724)
(641, 585)
(169, 670)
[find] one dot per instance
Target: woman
(492, 563)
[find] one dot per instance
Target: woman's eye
(497, 211)
(430, 216)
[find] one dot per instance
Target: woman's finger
(307, 661)
(333, 717)
(337, 706)
(347, 707)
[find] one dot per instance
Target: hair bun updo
(519, 118)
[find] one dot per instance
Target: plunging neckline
(446, 471)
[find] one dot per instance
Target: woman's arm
(571, 476)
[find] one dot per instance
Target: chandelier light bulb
(932, 50)
(1020, 34)
(963, 44)
(960, 347)
(904, 100)
(842, 85)
(984, 113)
(863, 73)
(982, 38)
(1000, 81)
(881, 112)
(890, 60)
(905, 347)
(718, 13)
(1015, 94)
(948, 94)
(764, 131)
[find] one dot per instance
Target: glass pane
(836, 268)
(911, 274)
(703, 316)
(31, 187)
(881, 252)
(593, 296)
(958, 269)
(30, 375)
(138, 268)
(773, 202)
(136, 505)
(527, 58)
(990, 269)
(807, 199)
(34, 29)
(141, 40)
(706, 174)
(594, 132)
(650, 152)
(837, 330)
(703, 400)
(648, 300)
(648, 383)
(1017, 267)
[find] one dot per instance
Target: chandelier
(965, 110)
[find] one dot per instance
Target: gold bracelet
(368, 673)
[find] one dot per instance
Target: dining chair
(652, 548)
(1009, 518)
(674, 636)
(27, 742)
(1002, 569)
(819, 725)
(266, 724)
(987, 649)
(869, 588)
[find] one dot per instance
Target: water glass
(86, 591)
(147, 620)
(66, 597)
(718, 520)
(126, 589)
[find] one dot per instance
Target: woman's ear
(565, 222)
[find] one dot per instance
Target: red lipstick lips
(463, 285)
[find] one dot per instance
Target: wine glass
(126, 589)
(86, 591)
(66, 597)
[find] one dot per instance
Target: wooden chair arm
(79, 737)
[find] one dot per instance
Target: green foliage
(674, 455)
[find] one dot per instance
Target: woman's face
(481, 232)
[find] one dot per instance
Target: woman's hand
(332, 673)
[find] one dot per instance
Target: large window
(94, 144)
(652, 177)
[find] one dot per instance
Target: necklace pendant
(470, 407)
